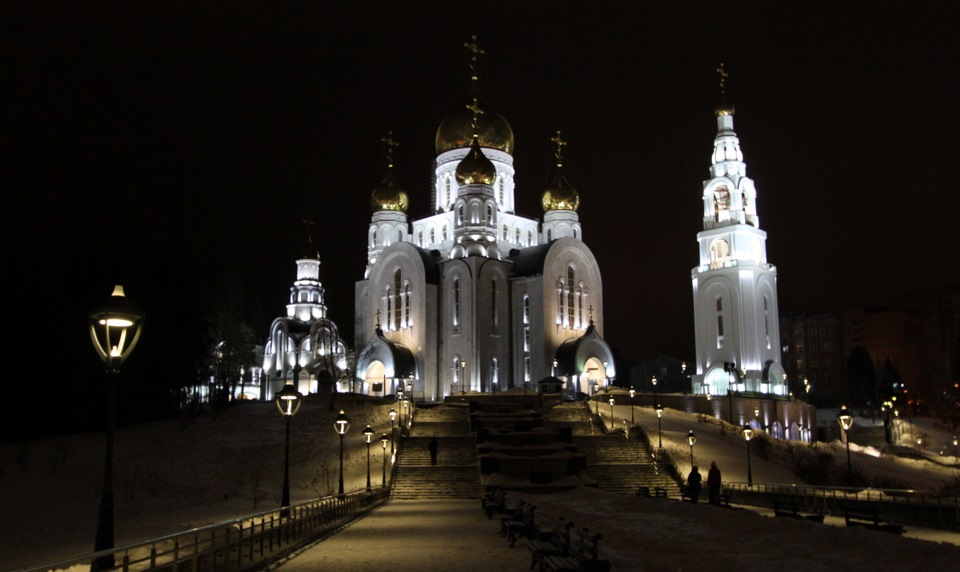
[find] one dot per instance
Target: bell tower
(734, 285)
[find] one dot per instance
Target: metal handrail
(240, 543)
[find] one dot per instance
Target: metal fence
(238, 544)
(917, 508)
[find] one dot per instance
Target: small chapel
(474, 297)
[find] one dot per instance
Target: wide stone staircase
(457, 473)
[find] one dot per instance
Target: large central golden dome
(456, 132)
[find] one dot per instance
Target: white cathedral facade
(734, 286)
(475, 298)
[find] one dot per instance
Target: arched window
(494, 370)
(721, 203)
(459, 214)
(526, 308)
(493, 302)
(500, 186)
(505, 232)
(529, 238)
(433, 236)
(373, 240)
(456, 301)
(571, 302)
(389, 308)
(446, 181)
(719, 322)
(766, 321)
(420, 238)
(489, 214)
(397, 303)
(580, 321)
(399, 235)
(576, 233)
(456, 369)
(517, 236)
(444, 233)
(549, 234)
(407, 321)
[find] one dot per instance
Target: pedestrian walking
(693, 485)
(433, 446)
(713, 483)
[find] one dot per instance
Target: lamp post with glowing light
(393, 418)
(845, 419)
(659, 426)
(956, 449)
(612, 401)
(368, 438)
(288, 403)
(111, 328)
(632, 393)
(383, 443)
(691, 439)
(653, 381)
(747, 435)
(463, 379)
(342, 425)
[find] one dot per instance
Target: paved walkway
(414, 535)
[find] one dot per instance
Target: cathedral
(734, 286)
(473, 297)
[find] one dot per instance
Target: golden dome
(389, 196)
(475, 168)
(456, 131)
(560, 195)
(724, 109)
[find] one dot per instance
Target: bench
(555, 542)
(790, 510)
(520, 523)
(583, 554)
(493, 501)
(871, 521)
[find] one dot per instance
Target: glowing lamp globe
(115, 329)
(341, 423)
(289, 400)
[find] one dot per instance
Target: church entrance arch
(593, 373)
(376, 373)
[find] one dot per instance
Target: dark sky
(161, 133)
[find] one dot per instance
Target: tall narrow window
(447, 188)
(420, 238)
(580, 306)
(493, 302)
(549, 234)
(397, 303)
(456, 301)
(489, 214)
(570, 297)
(459, 214)
(526, 308)
(387, 314)
(517, 236)
(529, 238)
(373, 242)
(456, 369)
(500, 188)
(407, 323)
(719, 322)
(444, 233)
(526, 338)
(494, 370)
(526, 369)
(399, 235)
(766, 321)
(433, 236)
(504, 232)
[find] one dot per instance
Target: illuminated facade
(304, 344)
(734, 286)
(475, 297)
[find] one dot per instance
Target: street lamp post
(632, 393)
(368, 438)
(110, 330)
(288, 403)
(653, 380)
(383, 443)
(463, 380)
(846, 422)
(393, 450)
(612, 401)
(691, 439)
(747, 435)
(342, 425)
(956, 449)
(659, 430)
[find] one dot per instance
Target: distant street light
(463, 379)
(653, 380)
(632, 393)
(393, 454)
(691, 439)
(612, 401)
(383, 443)
(288, 403)
(846, 422)
(659, 426)
(111, 328)
(368, 438)
(747, 435)
(342, 425)
(956, 450)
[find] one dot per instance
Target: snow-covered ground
(178, 474)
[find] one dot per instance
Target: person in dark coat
(693, 485)
(433, 446)
(713, 483)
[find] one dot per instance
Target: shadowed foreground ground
(414, 536)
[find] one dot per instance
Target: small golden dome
(456, 131)
(560, 195)
(724, 109)
(389, 196)
(475, 168)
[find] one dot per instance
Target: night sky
(170, 145)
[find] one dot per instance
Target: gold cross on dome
(559, 152)
(722, 72)
(390, 144)
(475, 56)
(309, 224)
